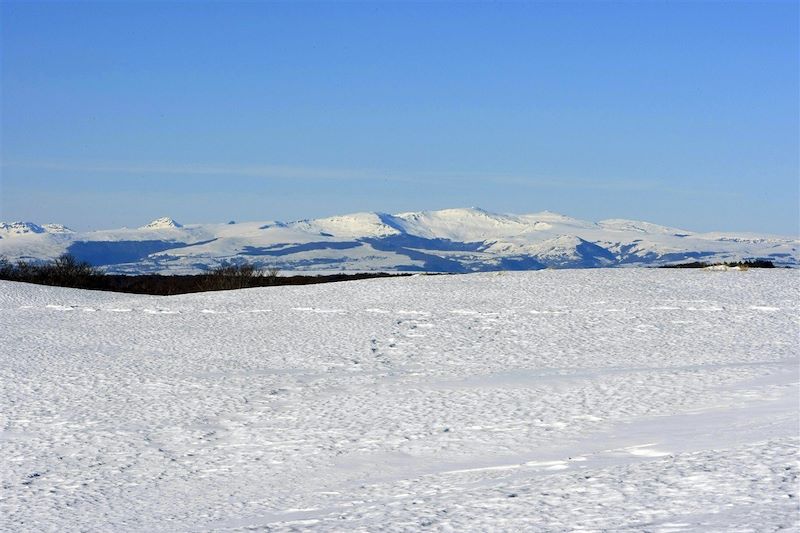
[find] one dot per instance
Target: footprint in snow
(160, 312)
(644, 450)
(765, 308)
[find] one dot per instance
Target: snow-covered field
(616, 400)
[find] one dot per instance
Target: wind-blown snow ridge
(448, 240)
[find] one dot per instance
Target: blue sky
(684, 114)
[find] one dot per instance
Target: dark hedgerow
(66, 271)
(747, 263)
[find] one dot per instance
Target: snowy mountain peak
(20, 228)
(468, 224)
(352, 225)
(550, 218)
(57, 228)
(16, 229)
(461, 213)
(162, 223)
(622, 224)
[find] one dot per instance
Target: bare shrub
(236, 276)
(65, 271)
(6, 268)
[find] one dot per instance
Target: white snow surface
(556, 400)
(452, 240)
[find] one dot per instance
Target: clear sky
(684, 113)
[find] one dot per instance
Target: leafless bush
(65, 271)
(237, 276)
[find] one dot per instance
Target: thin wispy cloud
(309, 173)
(193, 169)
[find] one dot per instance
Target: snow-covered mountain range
(449, 240)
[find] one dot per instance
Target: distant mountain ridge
(448, 240)
(22, 228)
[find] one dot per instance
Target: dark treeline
(66, 271)
(749, 263)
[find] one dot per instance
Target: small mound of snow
(162, 223)
(723, 268)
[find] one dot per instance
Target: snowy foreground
(617, 400)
